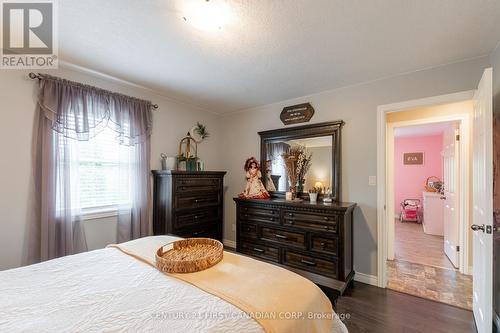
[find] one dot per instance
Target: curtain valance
(80, 111)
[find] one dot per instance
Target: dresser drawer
(260, 211)
(195, 200)
(310, 217)
(313, 222)
(283, 236)
(248, 230)
(312, 264)
(261, 251)
(260, 215)
(324, 244)
(197, 217)
(311, 226)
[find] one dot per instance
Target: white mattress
(109, 291)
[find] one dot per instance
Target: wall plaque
(413, 158)
(300, 113)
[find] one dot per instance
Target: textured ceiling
(275, 49)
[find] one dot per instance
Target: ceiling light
(207, 15)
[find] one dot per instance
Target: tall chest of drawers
(314, 240)
(188, 204)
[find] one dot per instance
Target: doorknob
(476, 227)
(442, 197)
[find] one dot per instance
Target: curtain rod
(34, 76)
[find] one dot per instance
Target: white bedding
(109, 291)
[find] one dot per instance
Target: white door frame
(385, 205)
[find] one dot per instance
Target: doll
(254, 189)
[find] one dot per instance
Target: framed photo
(416, 158)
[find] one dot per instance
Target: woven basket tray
(189, 255)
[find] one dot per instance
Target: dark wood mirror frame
(308, 131)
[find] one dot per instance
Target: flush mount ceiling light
(207, 15)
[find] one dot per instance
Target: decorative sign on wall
(300, 113)
(413, 158)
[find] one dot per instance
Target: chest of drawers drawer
(316, 222)
(310, 263)
(196, 217)
(195, 184)
(188, 203)
(189, 200)
(284, 236)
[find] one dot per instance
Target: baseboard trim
(366, 278)
(229, 243)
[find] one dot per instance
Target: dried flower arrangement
(297, 163)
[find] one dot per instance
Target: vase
(313, 197)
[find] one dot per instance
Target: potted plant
(313, 194)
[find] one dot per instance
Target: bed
(107, 290)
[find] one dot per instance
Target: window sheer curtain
(274, 151)
(68, 112)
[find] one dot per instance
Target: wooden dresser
(313, 240)
(188, 204)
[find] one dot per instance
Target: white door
(483, 203)
(450, 178)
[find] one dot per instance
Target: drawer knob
(324, 245)
(271, 219)
(327, 218)
(308, 262)
(256, 249)
(290, 214)
(290, 222)
(280, 236)
(326, 227)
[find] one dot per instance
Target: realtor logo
(29, 38)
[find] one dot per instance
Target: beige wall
(357, 106)
(234, 138)
(17, 108)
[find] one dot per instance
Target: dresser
(188, 204)
(311, 239)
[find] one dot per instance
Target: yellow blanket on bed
(279, 300)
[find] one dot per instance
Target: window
(100, 171)
(102, 174)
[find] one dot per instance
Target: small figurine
(254, 188)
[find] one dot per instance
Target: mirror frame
(332, 128)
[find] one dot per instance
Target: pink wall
(409, 180)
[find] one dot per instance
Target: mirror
(320, 144)
(318, 152)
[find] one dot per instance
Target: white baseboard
(366, 278)
(229, 243)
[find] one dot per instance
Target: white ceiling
(273, 50)
(422, 130)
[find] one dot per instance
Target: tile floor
(422, 269)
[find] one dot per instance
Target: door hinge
(457, 137)
(458, 248)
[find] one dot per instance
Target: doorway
(476, 199)
(426, 188)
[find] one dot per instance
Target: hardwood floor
(413, 245)
(371, 309)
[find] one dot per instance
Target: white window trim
(95, 213)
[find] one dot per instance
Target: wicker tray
(189, 255)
